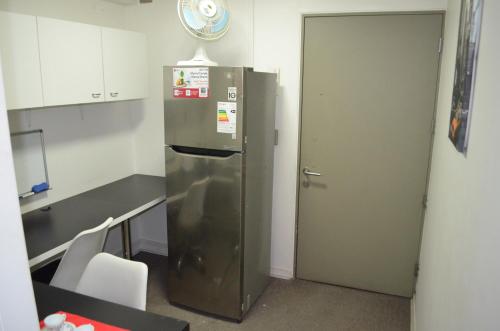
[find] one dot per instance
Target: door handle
(114, 94)
(307, 172)
(96, 95)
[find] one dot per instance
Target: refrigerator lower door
(204, 230)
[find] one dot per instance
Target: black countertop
(50, 300)
(45, 230)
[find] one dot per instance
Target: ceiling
(128, 2)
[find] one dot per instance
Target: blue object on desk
(40, 188)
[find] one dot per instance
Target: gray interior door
(369, 90)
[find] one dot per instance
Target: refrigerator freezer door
(202, 122)
(204, 231)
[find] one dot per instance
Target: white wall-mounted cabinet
(20, 61)
(71, 61)
(125, 64)
(51, 62)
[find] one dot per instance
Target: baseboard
(150, 246)
(413, 314)
(161, 248)
(281, 273)
(146, 245)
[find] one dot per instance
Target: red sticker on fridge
(190, 83)
(190, 93)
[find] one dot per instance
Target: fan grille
(201, 25)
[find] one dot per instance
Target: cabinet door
(125, 64)
(20, 61)
(71, 61)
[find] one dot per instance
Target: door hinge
(424, 201)
(440, 45)
(416, 270)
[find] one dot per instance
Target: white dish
(67, 326)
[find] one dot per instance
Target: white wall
(277, 44)
(458, 288)
(86, 146)
(17, 303)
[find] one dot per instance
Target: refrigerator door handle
(203, 152)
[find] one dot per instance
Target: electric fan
(206, 20)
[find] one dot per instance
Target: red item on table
(80, 320)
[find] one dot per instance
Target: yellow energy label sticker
(226, 117)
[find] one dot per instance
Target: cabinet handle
(96, 95)
(114, 94)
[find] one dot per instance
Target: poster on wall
(465, 72)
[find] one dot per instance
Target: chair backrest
(82, 249)
(117, 280)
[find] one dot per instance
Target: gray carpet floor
(290, 305)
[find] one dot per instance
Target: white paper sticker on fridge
(191, 83)
(226, 117)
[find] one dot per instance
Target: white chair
(82, 249)
(117, 280)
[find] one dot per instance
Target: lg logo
(232, 93)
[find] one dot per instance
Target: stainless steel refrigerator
(219, 148)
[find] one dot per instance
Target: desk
(50, 300)
(49, 233)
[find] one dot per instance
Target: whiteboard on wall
(28, 150)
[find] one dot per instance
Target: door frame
(301, 104)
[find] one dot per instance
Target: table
(50, 300)
(49, 230)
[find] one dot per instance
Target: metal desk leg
(126, 242)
